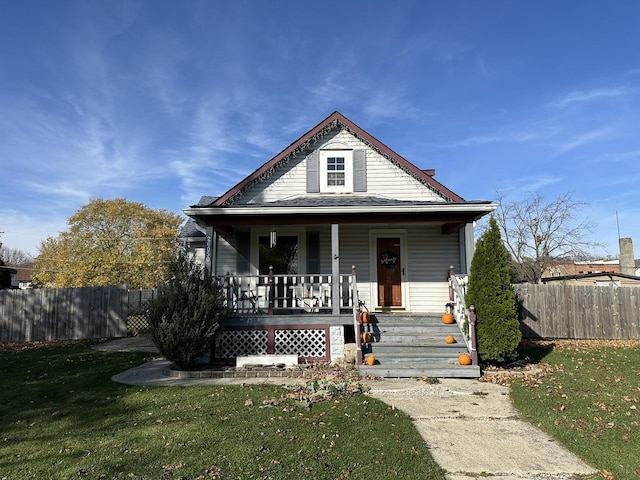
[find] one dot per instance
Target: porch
(273, 294)
(319, 320)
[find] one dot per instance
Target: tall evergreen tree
(490, 291)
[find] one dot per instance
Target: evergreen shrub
(491, 292)
(187, 312)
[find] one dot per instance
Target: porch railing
(465, 317)
(272, 294)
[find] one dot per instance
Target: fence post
(270, 292)
(472, 335)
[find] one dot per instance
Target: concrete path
(473, 431)
(470, 427)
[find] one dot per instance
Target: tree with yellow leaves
(110, 242)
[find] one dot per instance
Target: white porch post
(335, 269)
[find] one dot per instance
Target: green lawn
(61, 417)
(589, 400)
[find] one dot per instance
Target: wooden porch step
(414, 346)
(431, 338)
(415, 350)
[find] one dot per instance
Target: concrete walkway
(470, 427)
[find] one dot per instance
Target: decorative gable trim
(305, 145)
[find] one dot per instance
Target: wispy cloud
(515, 136)
(583, 139)
(522, 186)
(384, 105)
(580, 96)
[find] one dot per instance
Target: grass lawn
(61, 417)
(589, 400)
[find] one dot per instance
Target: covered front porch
(296, 284)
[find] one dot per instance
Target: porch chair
(305, 302)
(241, 297)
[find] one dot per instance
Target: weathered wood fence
(579, 312)
(63, 313)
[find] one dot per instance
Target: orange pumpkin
(447, 318)
(449, 339)
(371, 360)
(365, 317)
(464, 359)
(366, 337)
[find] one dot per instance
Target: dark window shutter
(243, 247)
(359, 171)
(313, 252)
(313, 172)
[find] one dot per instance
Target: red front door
(389, 269)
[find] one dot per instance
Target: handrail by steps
(462, 314)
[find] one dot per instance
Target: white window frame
(348, 171)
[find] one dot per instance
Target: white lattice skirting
(307, 343)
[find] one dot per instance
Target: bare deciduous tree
(14, 256)
(537, 232)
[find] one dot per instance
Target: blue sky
(164, 101)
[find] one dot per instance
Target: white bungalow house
(334, 223)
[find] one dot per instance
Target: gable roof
(305, 142)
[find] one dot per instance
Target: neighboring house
(194, 239)
(561, 268)
(287, 236)
(600, 279)
(22, 279)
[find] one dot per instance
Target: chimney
(627, 262)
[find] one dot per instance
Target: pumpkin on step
(464, 359)
(366, 337)
(371, 360)
(447, 318)
(449, 339)
(364, 316)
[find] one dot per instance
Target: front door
(389, 268)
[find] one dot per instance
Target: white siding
(226, 256)
(354, 250)
(383, 177)
(429, 256)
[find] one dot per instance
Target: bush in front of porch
(490, 291)
(187, 312)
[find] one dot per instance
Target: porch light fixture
(272, 238)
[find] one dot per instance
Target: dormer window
(336, 171)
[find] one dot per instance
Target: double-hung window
(335, 172)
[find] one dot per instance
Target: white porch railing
(465, 317)
(272, 294)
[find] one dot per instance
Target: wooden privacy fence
(63, 313)
(580, 312)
